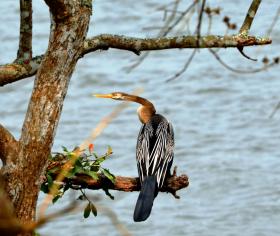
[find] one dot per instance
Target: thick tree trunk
(24, 167)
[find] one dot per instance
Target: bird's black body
(154, 155)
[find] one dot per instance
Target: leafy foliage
(86, 163)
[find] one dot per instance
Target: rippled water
(225, 140)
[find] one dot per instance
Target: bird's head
(115, 95)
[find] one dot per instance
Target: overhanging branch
(136, 45)
(13, 72)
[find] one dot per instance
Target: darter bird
(154, 152)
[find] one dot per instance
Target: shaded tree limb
(8, 145)
(16, 71)
(25, 36)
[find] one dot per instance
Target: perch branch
(126, 184)
(25, 37)
(12, 72)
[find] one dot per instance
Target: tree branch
(250, 17)
(25, 37)
(13, 72)
(126, 184)
(136, 45)
(8, 144)
(19, 70)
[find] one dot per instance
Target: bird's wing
(162, 153)
(142, 150)
(155, 151)
(166, 161)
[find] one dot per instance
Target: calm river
(225, 140)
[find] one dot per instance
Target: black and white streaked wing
(166, 161)
(155, 149)
(142, 150)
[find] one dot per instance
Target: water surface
(225, 140)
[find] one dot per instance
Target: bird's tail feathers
(145, 199)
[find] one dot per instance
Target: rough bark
(128, 184)
(16, 71)
(25, 36)
(22, 173)
(8, 145)
(252, 11)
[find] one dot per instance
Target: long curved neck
(146, 111)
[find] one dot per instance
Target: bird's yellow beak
(103, 95)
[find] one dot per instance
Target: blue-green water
(225, 140)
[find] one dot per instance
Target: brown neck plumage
(146, 111)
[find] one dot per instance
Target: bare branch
(25, 38)
(266, 66)
(184, 68)
(250, 17)
(245, 55)
(13, 72)
(274, 21)
(274, 110)
(136, 45)
(198, 28)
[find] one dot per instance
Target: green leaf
(95, 155)
(50, 180)
(64, 149)
(110, 176)
(78, 163)
(100, 160)
(56, 198)
(66, 187)
(93, 210)
(54, 170)
(78, 169)
(70, 174)
(45, 188)
(92, 174)
(87, 210)
(95, 167)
